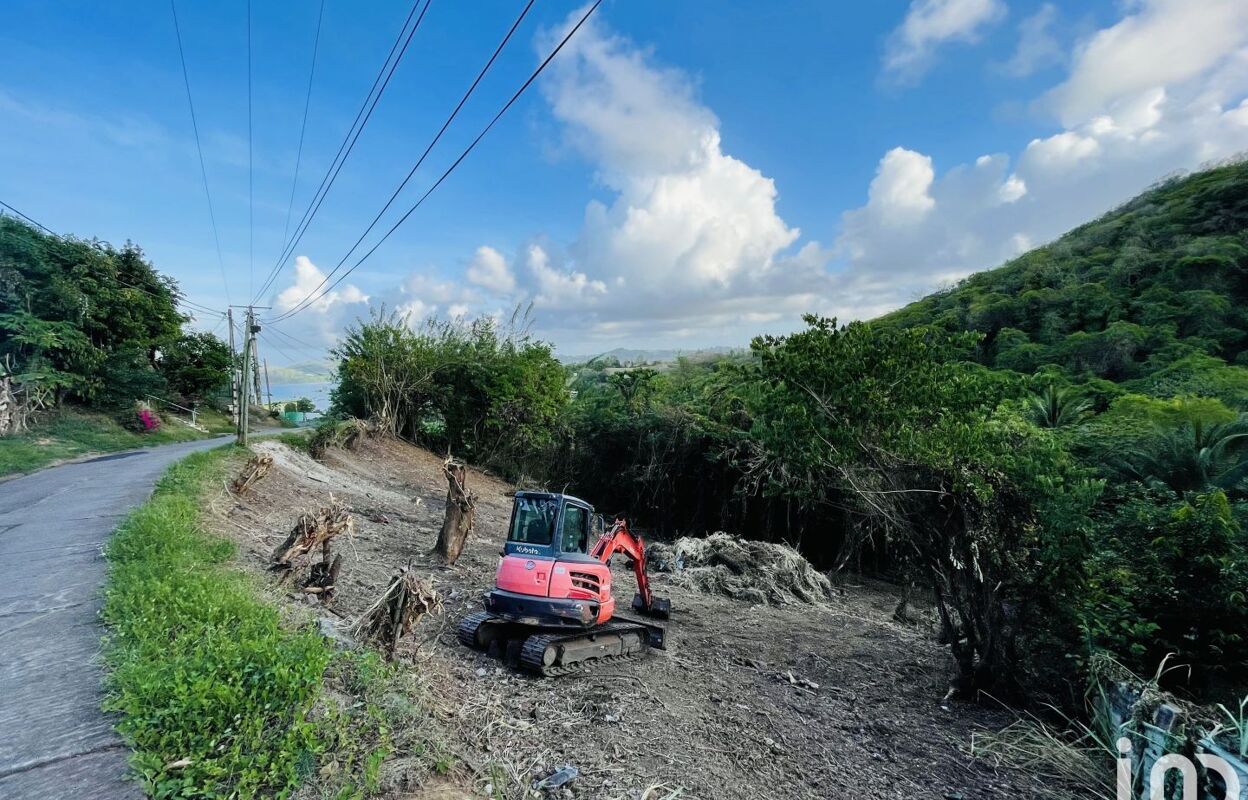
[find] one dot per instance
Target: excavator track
(468, 627)
(555, 653)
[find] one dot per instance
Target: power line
(305, 302)
(251, 173)
(39, 225)
(295, 341)
(432, 143)
(316, 46)
(64, 240)
(270, 343)
(348, 144)
(203, 170)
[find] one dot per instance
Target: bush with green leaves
(492, 395)
(1169, 577)
(98, 325)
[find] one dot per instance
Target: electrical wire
(303, 127)
(203, 170)
(437, 137)
(309, 299)
(348, 144)
(299, 343)
(64, 240)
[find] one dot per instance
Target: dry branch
(397, 611)
(311, 531)
(255, 469)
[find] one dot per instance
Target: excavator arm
(619, 539)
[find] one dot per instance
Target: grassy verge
(218, 696)
(71, 433)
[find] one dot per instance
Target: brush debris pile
(397, 611)
(757, 572)
(311, 530)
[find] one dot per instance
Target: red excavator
(551, 611)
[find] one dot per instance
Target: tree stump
(461, 510)
(255, 469)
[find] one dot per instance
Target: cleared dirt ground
(715, 716)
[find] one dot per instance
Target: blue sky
(684, 174)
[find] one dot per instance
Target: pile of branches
(393, 615)
(310, 532)
(757, 572)
(255, 469)
(340, 434)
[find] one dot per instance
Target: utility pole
(268, 387)
(249, 376)
(255, 367)
(229, 313)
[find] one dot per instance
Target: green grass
(202, 667)
(70, 433)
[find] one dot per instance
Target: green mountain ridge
(1151, 297)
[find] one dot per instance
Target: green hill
(1153, 295)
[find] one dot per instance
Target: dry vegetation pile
(757, 572)
(396, 613)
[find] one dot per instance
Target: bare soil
(713, 716)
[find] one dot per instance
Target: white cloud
(899, 192)
(1061, 151)
(308, 278)
(559, 289)
(929, 24)
(1012, 190)
(689, 232)
(488, 269)
(1037, 47)
(1140, 117)
(1162, 43)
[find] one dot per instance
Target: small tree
(196, 365)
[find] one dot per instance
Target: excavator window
(534, 520)
(575, 529)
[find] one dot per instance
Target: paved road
(54, 740)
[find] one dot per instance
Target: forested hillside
(1153, 295)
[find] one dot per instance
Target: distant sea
(318, 393)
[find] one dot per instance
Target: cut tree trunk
(461, 510)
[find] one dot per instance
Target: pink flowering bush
(149, 420)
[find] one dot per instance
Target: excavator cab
(555, 575)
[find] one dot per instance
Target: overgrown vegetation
(88, 325)
(218, 697)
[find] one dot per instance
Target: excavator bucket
(660, 607)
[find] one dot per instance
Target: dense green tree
(196, 366)
(83, 320)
